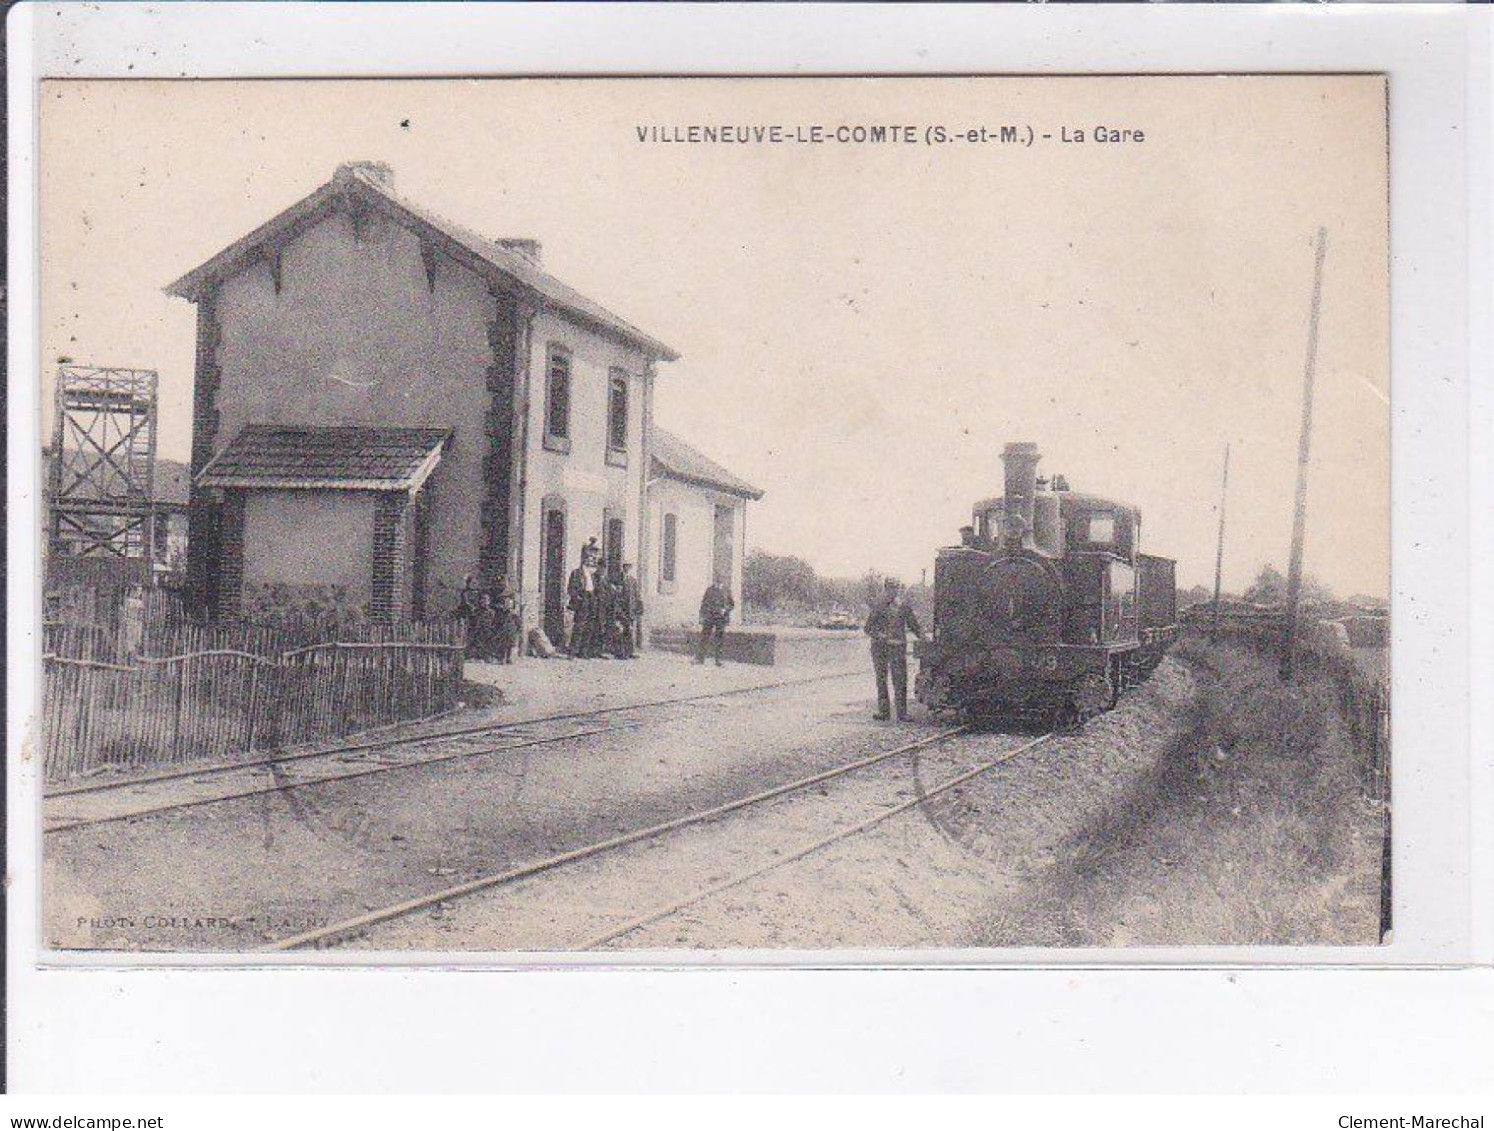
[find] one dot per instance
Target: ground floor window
(553, 569)
(669, 548)
(612, 543)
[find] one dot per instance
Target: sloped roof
(347, 458)
(678, 460)
(503, 258)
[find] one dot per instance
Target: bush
(771, 581)
(1266, 748)
(781, 589)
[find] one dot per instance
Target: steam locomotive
(1047, 606)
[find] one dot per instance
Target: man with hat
(715, 612)
(632, 608)
(888, 626)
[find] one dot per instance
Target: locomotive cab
(1100, 569)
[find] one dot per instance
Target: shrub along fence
(1363, 692)
(132, 683)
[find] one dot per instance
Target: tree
(1195, 595)
(1270, 588)
(772, 581)
(843, 593)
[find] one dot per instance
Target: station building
(698, 516)
(385, 403)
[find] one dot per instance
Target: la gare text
(745, 134)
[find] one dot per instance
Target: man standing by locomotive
(888, 626)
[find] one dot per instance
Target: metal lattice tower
(101, 493)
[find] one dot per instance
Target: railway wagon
(1047, 606)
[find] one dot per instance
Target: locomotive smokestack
(1021, 462)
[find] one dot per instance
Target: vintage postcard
(603, 516)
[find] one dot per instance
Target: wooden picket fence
(131, 683)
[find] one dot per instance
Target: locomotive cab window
(989, 523)
(1100, 529)
(1123, 587)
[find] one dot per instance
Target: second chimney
(1021, 462)
(529, 249)
(376, 171)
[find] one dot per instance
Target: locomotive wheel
(1095, 693)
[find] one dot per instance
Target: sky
(862, 327)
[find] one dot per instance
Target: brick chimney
(377, 171)
(529, 249)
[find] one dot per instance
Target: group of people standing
(606, 606)
(605, 603)
(492, 619)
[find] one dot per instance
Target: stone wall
(678, 603)
(358, 332)
(592, 486)
(307, 552)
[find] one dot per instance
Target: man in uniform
(888, 626)
(632, 612)
(715, 611)
(613, 613)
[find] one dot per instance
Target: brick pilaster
(503, 440)
(389, 555)
(230, 563)
(203, 519)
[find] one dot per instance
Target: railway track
(349, 761)
(330, 934)
(698, 895)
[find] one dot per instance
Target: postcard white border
(312, 1028)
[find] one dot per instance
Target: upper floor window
(558, 399)
(617, 412)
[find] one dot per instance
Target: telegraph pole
(1219, 553)
(1299, 514)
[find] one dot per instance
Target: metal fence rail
(134, 685)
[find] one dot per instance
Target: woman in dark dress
(485, 628)
(505, 623)
(468, 607)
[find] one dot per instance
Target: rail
(333, 932)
